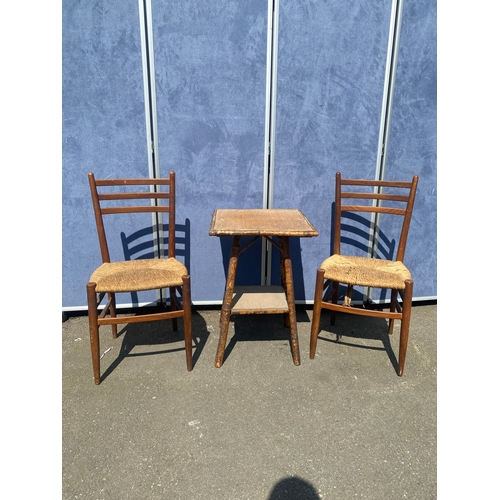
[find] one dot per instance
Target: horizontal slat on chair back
(398, 201)
(367, 182)
(134, 209)
(131, 182)
(366, 208)
(133, 195)
(374, 196)
(378, 196)
(127, 201)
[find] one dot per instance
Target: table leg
(286, 316)
(290, 296)
(225, 314)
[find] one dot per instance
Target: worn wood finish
(259, 300)
(402, 198)
(279, 224)
(290, 296)
(261, 222)
(286, 315)
(225, 314)
(180, 294)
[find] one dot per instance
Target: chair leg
(94, 331)
(335, 298)
(405, 325)
(394, 296)
(112, 313)
(186, 304)
(173, 307)
(316, 316)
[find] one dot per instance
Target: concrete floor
(341, 426)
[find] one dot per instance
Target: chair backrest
(120, 196)
(370, 197)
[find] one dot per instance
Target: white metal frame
(390, 78)
(273, 9)
(385, 121)
(148, 72)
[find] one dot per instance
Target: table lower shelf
(259, 300)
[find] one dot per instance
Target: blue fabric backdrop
(413, 137)
(210, 67)
(210, 70)
(104, 126)
(331, 68)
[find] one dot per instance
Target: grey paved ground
(341, 426)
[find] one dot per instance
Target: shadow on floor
(261, 327)
(160, 334)
(359, 332)
(293, 488)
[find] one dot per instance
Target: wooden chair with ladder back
(134, 196)
(373, 197)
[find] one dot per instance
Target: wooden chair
(125, 196)
(353, 270)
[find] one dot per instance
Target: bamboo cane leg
(228, 298)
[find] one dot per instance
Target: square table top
(261, 222)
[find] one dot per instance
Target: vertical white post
(390, 78)
(145, 81)
(270, 127)
(385, 119)
(148, 72)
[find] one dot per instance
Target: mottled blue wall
(331, 68)
(412, 142)
(210, 69)
(103, 123)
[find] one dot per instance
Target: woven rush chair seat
(139, 275)
(363, 271)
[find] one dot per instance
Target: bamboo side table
(280, 224)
